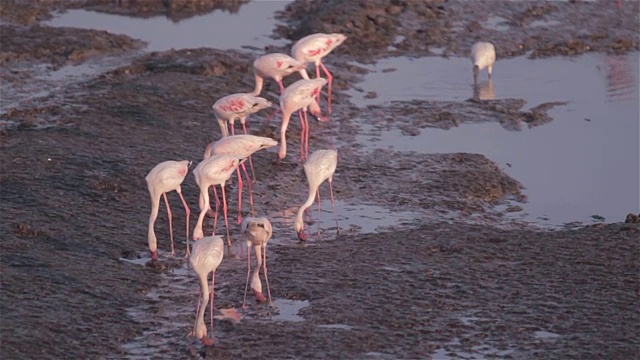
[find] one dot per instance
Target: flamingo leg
(330, 85)
(246, 285)
(319, 211)
(244, 124)
(215, 218)
(226, 218)
(166, 201)
(250, 186)
(281, 87)
(335, 213)
(265, 275)
(233, 128)
(240, 185)
(188, 213)
(266, 122)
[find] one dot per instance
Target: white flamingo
(206, 256)
(320, 166)
(312, 48)
(298, 97)
(258, 232)
(237, 106)
(163, 178)
(213, 171)
(274, 66)
(483, 55)
(242, 146)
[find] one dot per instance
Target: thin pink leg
(244, 124)
(226, 218)
(166, 201)
(266, 122)
(246, 285)
(215, 218)
(188, 211)
(319, 210)
(233, 128)
(330, 78)
(240, 185)
(335, 212)
(250, 186)
(281, 87)
(265, 275)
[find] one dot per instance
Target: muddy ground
(74, 200)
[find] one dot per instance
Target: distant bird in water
(258, 232)
(164, 177)
(237, 106)
(242, 146)
(313, 48)
(274, 66)
(206, 256)
(320, 167)
(298, 97)
(213, 171)
(483, 55)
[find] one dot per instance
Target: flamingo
(213, 171)
(483, 55)
(237, 106)
(242, 146)
(320, 166)
(312, 48)
(258, 232)
(206, 256)
(298, 97)
(163, 178)
(275, 66)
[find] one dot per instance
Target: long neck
(286, 117)
(313, 189)
(155, 204)
(258, 88)
(256, 284)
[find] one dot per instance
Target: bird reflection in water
(484, 90)
(620, 78)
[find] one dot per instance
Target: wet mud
(460, 280)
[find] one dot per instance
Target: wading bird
(242, 146)
(311, 49)
(483, 55)
(213, 171)
(237, 106)
(274, 66)
(258, 232)
(163, 178)
(298, 97)
(320, 167)
(206, 256)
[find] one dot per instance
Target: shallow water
(288, 309)
(583, 163)
(218, 29)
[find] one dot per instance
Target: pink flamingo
(298, 97)
(313, 48)
(320, 167)
(258, 232)
(274, 66)
(483, 55)
(164, 177)
(206, 256)
(213, 171)
(242, 146)
(237, 106)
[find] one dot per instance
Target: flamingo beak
(302, 236)
(154, 255)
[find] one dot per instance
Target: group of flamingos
(225, 156)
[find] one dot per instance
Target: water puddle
(288, 310)
(336, 326)
(451, 350)
(583, 166)
(545, 335)
(218, 29)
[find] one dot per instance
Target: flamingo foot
(207, 341)
(154, 255)
(261, 298)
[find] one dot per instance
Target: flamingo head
(154, 255)
(260, 103)
(299, 227)
(339, 38)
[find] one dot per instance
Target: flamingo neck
(313, 189)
